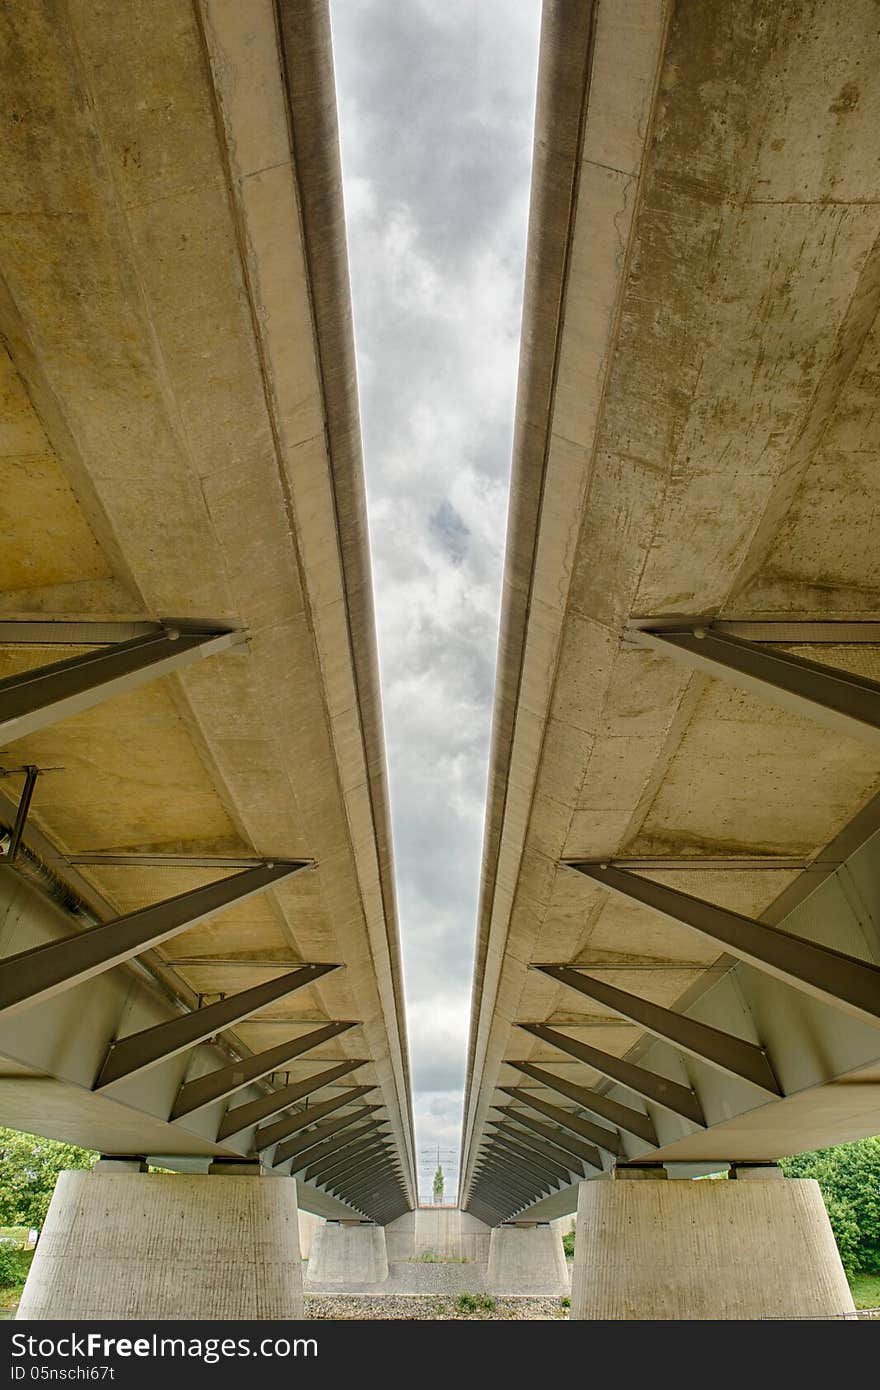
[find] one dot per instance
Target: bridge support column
(526, 1258)
(348, 1252)
(706, 1249)
(127, 1244)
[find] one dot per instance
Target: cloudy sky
(436, 110)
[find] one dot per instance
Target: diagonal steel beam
(722, 1050)
(31, 976)
(511, 1148)
(366, 1189)
(138, 1051)
(368, 1160)
(841, 700)
(241, 1117)
(35, 699)
(324, 1152)
(293, 1123)
(588, 1152)
(295, 1148)
(540, 1146)
(633, 1121)
(537, 1167)
(594, 1134)
(514, 1173)
(502, 1199)
(843, 981)
(522, 1140)
(516, 1189)
(216, 1085)
(681, 1100)
(363, 1149)
(373, 1161)
(535, 1172)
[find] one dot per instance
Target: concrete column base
(678, 1250)
(526, 1259)
(344, 1253)
(138, 1245)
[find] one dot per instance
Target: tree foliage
(849, 1176)
(439, 1181)
(29, 1166)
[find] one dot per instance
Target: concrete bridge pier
(348, 1252)
(119, 1242)
(757, 1247)
(528, 1258)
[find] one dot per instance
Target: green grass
(479, 1303)
(428, 1257)
(10, 1289)
(865, 1290)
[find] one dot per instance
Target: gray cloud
(436, 111)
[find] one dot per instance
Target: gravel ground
(413, 1307)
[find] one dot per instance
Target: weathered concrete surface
(180, 438)
(308, 1225)
(142, 1246)
(526, 1259)
(694, 416)
(446, 1232)
(348, 1255)
(679, 1250)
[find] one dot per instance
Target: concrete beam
(498, 1146)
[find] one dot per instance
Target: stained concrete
(347, 1255)
(694, 415)
(706, 1249)
(174, 284)
(526, 1259)
(444, 1232)
(153, 1246)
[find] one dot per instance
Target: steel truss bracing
(139, 1051)
(635, 1122)
(36, 699)
(324, 1152)
(841, 700)
(681, 1100)
(38, 974)
(242, 1117)
(294, 1148)
(843, 981)
(722, 1050)
(291, 1124)
(603, 1138)
(225, 1081)
(588, 1153)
